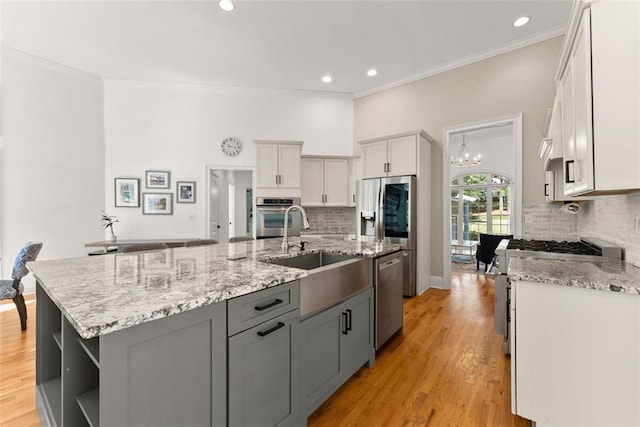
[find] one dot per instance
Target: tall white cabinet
(401, 155)
(599, 86)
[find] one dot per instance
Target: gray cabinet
(172, 371)
(263, 353)
(261, 372)
(334, 344)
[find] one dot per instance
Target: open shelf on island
(52, 391)
(57, 336)
(92, 348)
(89, 403)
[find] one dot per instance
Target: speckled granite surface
(613, 276)
(102, 294)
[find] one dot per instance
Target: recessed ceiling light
(327, 79)
(372, 72)
(226, 5)
(521, 21)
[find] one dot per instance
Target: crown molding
(17, 53)
(515, 45)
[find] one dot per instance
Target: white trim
(515, 120)
(207, 180)
(476, 57)
(436, 282)
(50, 64)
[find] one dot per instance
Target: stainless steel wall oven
(270, 217)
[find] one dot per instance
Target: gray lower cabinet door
(320, 357)
(261, 373)
(357, 344)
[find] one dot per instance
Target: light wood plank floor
(446, 370)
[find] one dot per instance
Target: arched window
(480, 203)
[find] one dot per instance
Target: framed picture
(127, 192)
(157, 204)
(186, 192)
(157, 179)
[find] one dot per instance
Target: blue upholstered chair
(12, 289)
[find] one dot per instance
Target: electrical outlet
(193, 217)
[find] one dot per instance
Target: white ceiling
(275, 44)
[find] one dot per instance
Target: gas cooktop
(564, 247)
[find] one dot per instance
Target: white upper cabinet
(598, 74)
(278, 164)
(325, 181)
(354, 178)
(396, 156)
(374, 156)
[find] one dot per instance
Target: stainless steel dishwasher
(388, 296)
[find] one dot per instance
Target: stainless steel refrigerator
(388, 213)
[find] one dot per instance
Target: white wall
(53, 159)
(520, 81)
(180, 127)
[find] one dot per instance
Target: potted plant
(107, 222)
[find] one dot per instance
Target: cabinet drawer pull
(349, 319)
(546, 190)
(269, 305)
(568, 171)
(344, 323)
(270, 330)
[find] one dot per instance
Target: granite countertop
(102, 294)
(613, 276)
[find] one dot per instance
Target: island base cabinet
(334, 344)
(262, 372)
(575, 355)
(168, 372)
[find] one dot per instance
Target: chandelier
(463, 158)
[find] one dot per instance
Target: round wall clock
(231, 146)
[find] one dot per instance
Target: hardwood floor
(446, 370)
(17, 366)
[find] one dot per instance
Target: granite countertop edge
(100, 312)
(612, 276)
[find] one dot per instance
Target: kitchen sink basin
(332, 278)
(312, 260)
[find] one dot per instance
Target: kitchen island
(575, 341)
(172, 337)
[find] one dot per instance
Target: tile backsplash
(608, 218)
(331, 220)
(544, 221)
(611, 218)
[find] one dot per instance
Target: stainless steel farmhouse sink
(332, 278)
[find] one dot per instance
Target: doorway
(482, 168)
(229, 203)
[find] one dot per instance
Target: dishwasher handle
(389, 263)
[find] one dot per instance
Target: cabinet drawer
(252, 309)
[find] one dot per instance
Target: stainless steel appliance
(388, 296)
(388, 213)
(270, 217)
(586, 249)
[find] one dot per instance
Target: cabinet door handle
(269, 305)
(388, 167)
(569, 165)
(354, 198)
(349, 319)
(270, 330)
(546, 190)
(345, 331)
